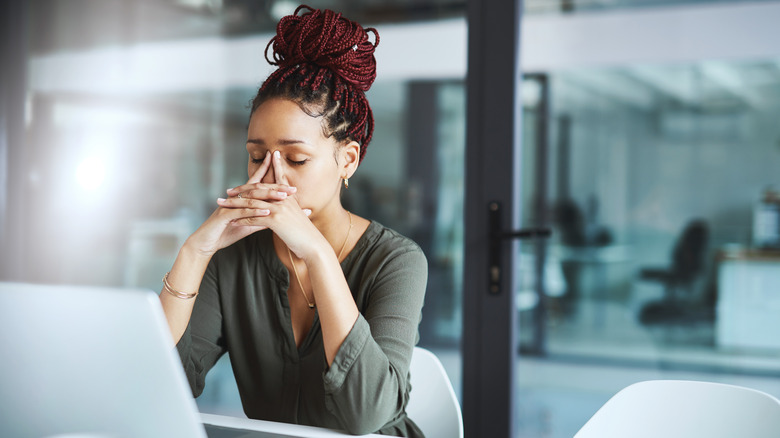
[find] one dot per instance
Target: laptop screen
(94, 361)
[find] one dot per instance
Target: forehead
(280, 118)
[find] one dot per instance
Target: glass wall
(661, 187)
(131, 158)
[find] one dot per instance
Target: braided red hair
(326, 64)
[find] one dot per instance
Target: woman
(318, 308)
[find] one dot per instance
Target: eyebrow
(283, 141)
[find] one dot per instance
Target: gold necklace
(344, 244)
(295, 270)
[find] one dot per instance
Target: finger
(249, 228)
(281, 178)
(262, 170)
(232, 214)
(256, 221)
(260, 222)
(244, 202)
(267, 193)
(243, 198)
(256, 190)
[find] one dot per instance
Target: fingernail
(282, 194)
(277, 154)
(264, 212)
(292, 189)
(232, 189)
(306, 211)
(220, 200)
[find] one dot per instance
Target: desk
(590, 270)
(594, 274)
(748, 299)
(283, 429)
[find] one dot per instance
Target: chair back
(685, 409)
(433, 405)
(689, 251)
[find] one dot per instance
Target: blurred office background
(651, 147)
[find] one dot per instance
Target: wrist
(317, 251)
(195, 252)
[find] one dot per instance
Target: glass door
(660, 185)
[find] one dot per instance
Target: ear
(349, 159)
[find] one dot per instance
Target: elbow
(368, 421)
(362, 427)
(352, 418)
(364, 421)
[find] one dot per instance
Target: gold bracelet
(178, 294)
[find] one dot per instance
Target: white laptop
(94, 362)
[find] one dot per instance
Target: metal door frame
(492, 158)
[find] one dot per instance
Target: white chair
(685, 409)
(433, 405)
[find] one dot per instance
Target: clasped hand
(256, 206)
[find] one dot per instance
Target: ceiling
(57, 25)
(63, 25)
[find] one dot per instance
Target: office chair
(679, 280)
(685, 409)
(433, 405)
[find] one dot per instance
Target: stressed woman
(318, 308)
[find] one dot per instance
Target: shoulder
(383, 248)
(384, 240)
(389, 268)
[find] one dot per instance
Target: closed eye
(297, 163)
(256, 160)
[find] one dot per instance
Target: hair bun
(327, 39)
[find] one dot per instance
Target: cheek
(312, 182)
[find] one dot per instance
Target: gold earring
(346, 183)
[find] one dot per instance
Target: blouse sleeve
(203, 341)
(366, 386)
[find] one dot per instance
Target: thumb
(262, 170)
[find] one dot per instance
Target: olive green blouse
(242, 309)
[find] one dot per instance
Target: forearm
(366, 390)
(335, 304)
(366, 382)
(185, 275)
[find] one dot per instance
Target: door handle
(497, 237)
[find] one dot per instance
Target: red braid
(325, 61)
